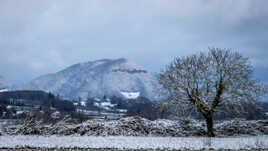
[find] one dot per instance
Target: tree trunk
(210, 131)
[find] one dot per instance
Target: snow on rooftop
(83, 103)
(122, 110)
(87, 111)
(19, 112)
(131, 95)
(9, 107)
(3, 90)
(97, 99)
(104, 105)
(96, 104)
(108, 104)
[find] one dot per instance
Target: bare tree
(210, 80)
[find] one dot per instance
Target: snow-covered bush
(137, 126)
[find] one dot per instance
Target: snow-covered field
(122, 142)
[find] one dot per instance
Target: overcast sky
(45, 36)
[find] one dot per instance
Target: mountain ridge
(104, 77)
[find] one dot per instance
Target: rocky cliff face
(97, 79)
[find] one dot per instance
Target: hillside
(33, 99)
(97, 79)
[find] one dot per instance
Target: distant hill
(35, 98)
(4, 84)
(97, 79)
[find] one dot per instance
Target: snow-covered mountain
(98, 79)
(4, 84)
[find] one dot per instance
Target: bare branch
(209, 80)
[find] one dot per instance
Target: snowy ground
(122, 142)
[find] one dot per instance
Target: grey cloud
(38, 37)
